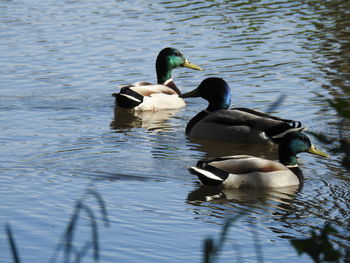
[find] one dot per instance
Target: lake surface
(59, 135)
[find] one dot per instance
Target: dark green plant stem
(12, 244)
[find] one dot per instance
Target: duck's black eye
(178, 54)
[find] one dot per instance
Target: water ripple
(61, 60)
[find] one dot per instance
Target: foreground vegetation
(318, 246)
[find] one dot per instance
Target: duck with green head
(145, 96)
(243, 171)
(243, 125)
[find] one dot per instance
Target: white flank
(161, 101)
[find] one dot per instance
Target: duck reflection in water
(126, 119)
(212, 149)
(209, 204)
(249, 197)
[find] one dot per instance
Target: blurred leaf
(278, 102)
(342, 107)
(213, 247)
(320, 137)
(318, 247)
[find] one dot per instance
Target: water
(61, 60)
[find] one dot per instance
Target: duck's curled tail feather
(277, 132)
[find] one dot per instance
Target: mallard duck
(218, 122)
(146, 96)
(253, 172)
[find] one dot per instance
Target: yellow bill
(188, 64)
(313, 150)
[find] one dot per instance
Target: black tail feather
(122, 99)
(207, 180)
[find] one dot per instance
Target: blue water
(61, 60)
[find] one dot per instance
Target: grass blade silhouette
(12, 244)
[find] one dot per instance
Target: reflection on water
(288, 207)
(61, 60)
(334, 45)
(126, 119)
(213, 149)
(332, 58)
(245, 197)
(269, 207)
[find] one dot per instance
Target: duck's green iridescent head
(215, 90)
(167, 60)
(292, 144)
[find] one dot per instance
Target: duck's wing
(264, 115)
(136, 84)
(273, 127)
(243, 164)
(146, 88)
